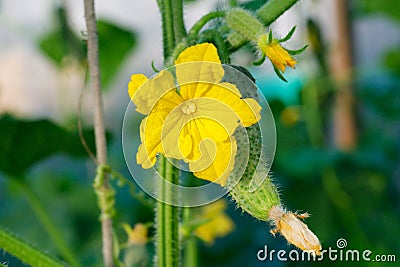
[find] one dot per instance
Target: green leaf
(253, 5)
(25, 252)
(392, 60)
(24, 143)
(387, 7)
(115, 43)
(61, 41)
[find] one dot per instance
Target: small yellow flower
(279, 57)
(290, 116)
(294, 230)
(138, 235)
(194, 121)
(219, 224)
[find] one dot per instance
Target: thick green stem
(269, 12)
(167, 218)
(25, 252)
(47, 222)
(191, 253)
(167, 27)
(179, 23)
(190, 250)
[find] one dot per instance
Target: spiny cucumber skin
(236, 39)
(244, 23)
(259, 202)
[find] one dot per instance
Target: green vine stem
(190, 250)
(25, 252)
(104, 189)
(196, 28)
(179, 23)
(47, 223)
(167, 18)
(271, 10)
(167, 218)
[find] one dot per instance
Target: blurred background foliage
(353, 195)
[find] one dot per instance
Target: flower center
(188, 108)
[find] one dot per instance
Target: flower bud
(279, 57)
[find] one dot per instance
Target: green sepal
(270, 38)
(259, 61)
(289, 35)
(296, 52)
(279, 74)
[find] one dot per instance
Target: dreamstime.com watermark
(339, 253)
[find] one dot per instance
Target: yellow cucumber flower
(193, 121)
(137, 234)
(279, 56)
(219, 224)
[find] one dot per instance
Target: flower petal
(150, 135)
(297, 233)
(246, 110)
(279, 56)
(201, 52)
(202, 65)
(202, 129)
(145, 92)
(222, 161)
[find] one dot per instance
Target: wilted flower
(290, 226)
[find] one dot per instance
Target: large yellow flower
(195, 120)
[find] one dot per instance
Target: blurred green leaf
(392, 60)
(24, 143)
(56, 46)
(61, 41)
(253, 5)
(304, 163)
(388, 7)
(115, 43)
(382, 98)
